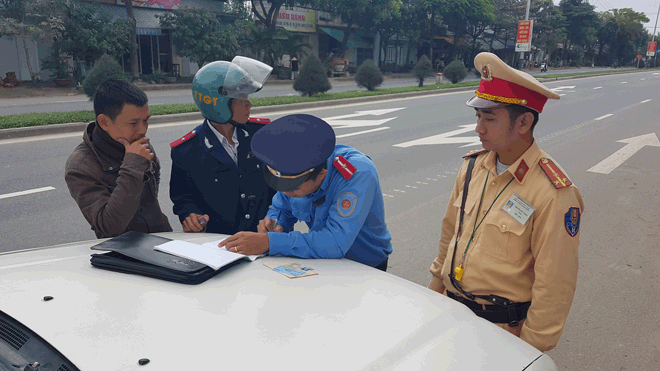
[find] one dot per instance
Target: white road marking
(643, 78)
(445, 138)
(634, 144)
(598, 87)
(603, 117)
(343, 124)
(30, 191)
(377, 112)
(561, 95)
(562, 88)
(645, 101)
(362, 132)
(624, 82)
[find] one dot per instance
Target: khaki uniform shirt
(536, 261)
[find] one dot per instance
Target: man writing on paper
(113, 175)
(509, 245)
(333, 188)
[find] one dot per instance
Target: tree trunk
(347, 33)
(396, 54)
(133, 39)
(431, 37)
(492, 40)
(410, 42)
(27, 60)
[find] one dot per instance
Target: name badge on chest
(518, 208)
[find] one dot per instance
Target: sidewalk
(27, 90)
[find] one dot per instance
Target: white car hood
(348, 317)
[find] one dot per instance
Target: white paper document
(215, 245)
(207, 254)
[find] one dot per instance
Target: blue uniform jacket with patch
(205, 180)
(347, 221)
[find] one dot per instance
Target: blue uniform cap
(291, 147)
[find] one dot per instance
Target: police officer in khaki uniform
(509, 245)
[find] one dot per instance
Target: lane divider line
(645, 101)
(21, 193)
(603, 117)
(598, 87)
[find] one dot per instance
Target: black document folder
(133, 252)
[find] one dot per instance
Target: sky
(648, 7)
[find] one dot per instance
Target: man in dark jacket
(113, 175)
(217, 185)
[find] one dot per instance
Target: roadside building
(156, 51)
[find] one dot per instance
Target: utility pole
(522, 54)
(133, 40)
(655, 56)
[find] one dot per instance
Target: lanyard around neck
(458, 271)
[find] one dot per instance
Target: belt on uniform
(503, 311)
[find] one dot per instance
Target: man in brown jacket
(114, 174)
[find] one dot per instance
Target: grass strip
(50, 118)
(37, 119)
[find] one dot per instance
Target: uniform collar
(221, 138)
(521, 167)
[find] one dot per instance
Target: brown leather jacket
(115, 194)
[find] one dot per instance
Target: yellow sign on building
(297, 21)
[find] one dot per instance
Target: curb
(32, 131)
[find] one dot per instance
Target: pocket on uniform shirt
(214, 176)
(504, 238)
(469, 204)
(253, 164)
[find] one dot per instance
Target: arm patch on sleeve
(572, 221)
(346, 203)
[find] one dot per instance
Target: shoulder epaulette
(556, 176)
(256, 120)
(476, 152)
(345, 168)
(182, 139)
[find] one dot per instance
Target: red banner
(651, 50)
(524, 32)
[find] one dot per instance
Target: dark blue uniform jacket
(205, 180)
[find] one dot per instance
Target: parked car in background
(59, 311)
